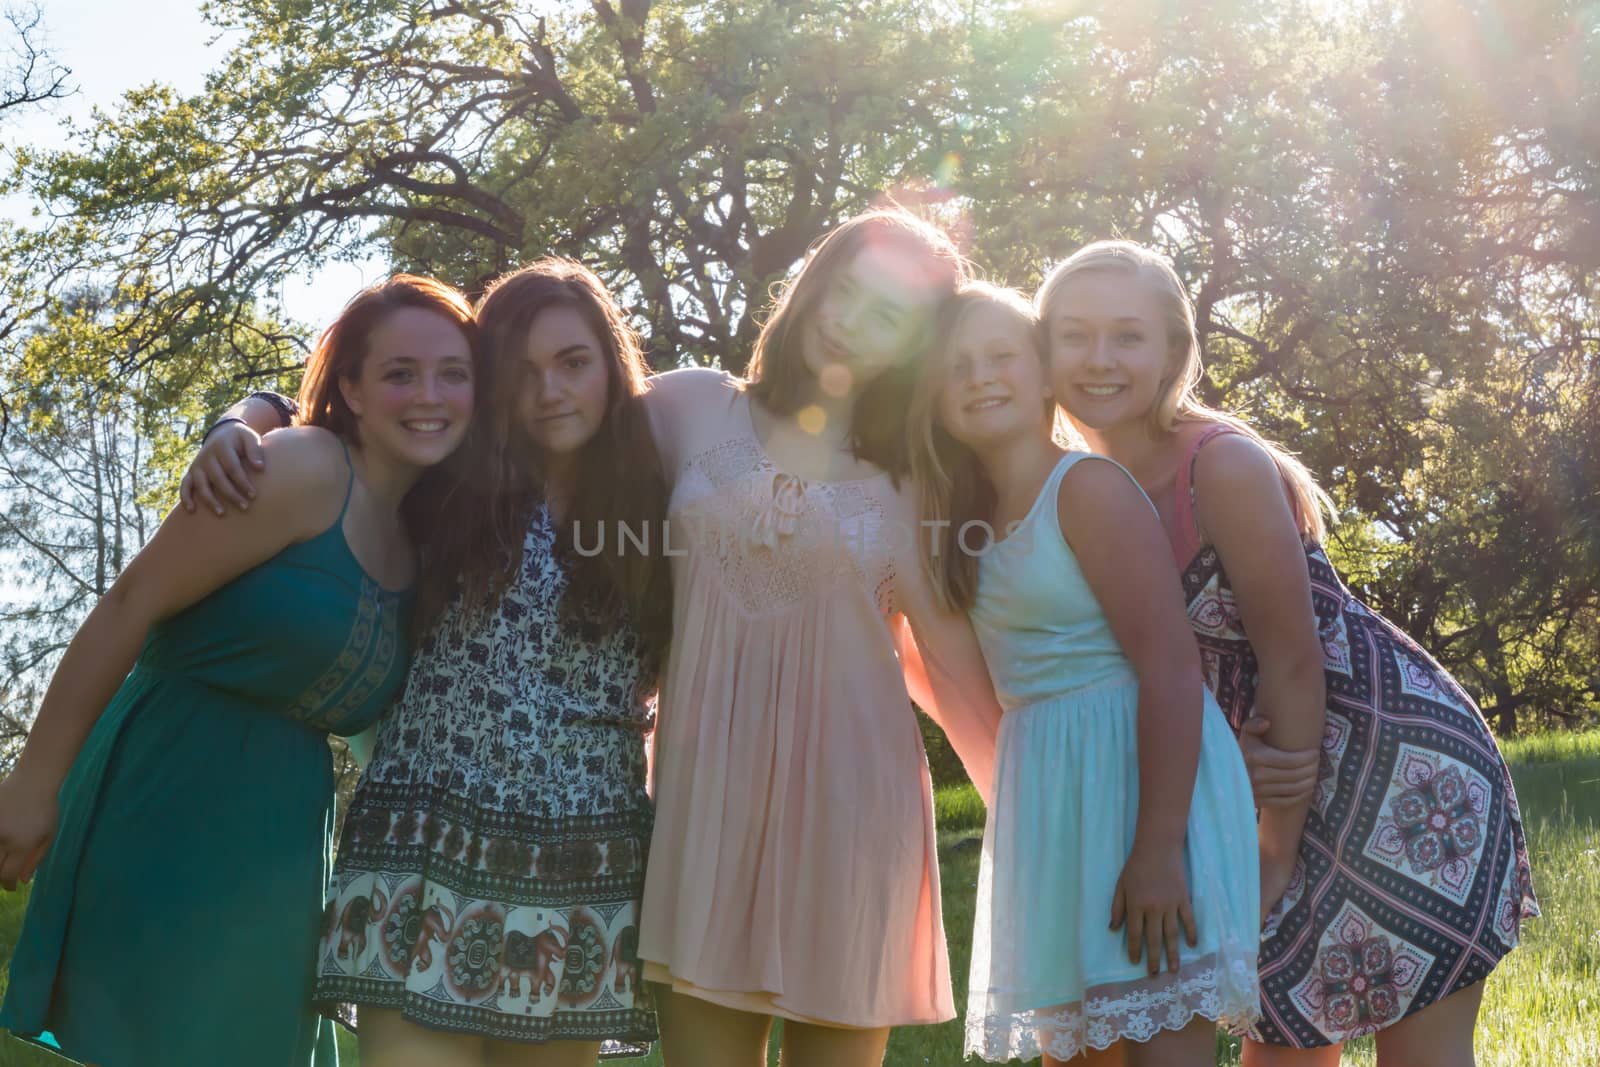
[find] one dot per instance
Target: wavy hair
(1176, 402)
(619, 481)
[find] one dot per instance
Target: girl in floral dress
(1400, 883)
(485, 902)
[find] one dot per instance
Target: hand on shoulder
(306, 474)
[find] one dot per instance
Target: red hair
(342, 347)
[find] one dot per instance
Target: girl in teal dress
(176, 792)
(1117, 904)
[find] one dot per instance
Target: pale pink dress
(792, 869)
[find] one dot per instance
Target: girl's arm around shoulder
(220, 469)
(944, 669)
(674, 399)
(189, 557)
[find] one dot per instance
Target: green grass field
(1542, 1008)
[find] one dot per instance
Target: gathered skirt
(1048, 974)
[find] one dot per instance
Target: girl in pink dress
(792, 871)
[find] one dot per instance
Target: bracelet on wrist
(286, 408)
(221, 422)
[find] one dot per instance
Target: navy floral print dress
(489, 876)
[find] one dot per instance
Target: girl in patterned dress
(1393, 889)
(179, 812)
(1120, 797)
(485, 902)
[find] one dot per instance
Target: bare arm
(946, 675)
(1243, 509)
(1122, 551)
(673, 401)
(911, 665)
(221, 469)
(183, 563)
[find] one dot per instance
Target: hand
(28, 815)
(1275, 877)
(1152, 896)
(222, 469)
(1279, 778)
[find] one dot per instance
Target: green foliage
(1388, 216)
(97, 435)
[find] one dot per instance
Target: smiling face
(413, 394)
(870, 317)
(565, 386)
(1110, 358)
(993, 384)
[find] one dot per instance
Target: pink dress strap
(1186, 529)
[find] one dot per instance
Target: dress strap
(349, 484)
(1186, 532)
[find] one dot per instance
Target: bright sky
(112, 46)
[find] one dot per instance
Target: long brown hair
(778, 376)
(338, 355)
(1176, 402)
(952, 488)
(620, 479)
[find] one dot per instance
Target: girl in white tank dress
(1117, 897)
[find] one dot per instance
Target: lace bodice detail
(776, 537)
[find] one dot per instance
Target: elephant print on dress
(532, 958)
(359, 916)
(625, 960)
(436, 924)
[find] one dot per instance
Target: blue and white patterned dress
(489, 876)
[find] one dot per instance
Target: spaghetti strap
(349, 485)
(1186, 528)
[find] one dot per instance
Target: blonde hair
(952, 488)
(1176, 402)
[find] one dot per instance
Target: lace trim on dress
(1220, 987)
